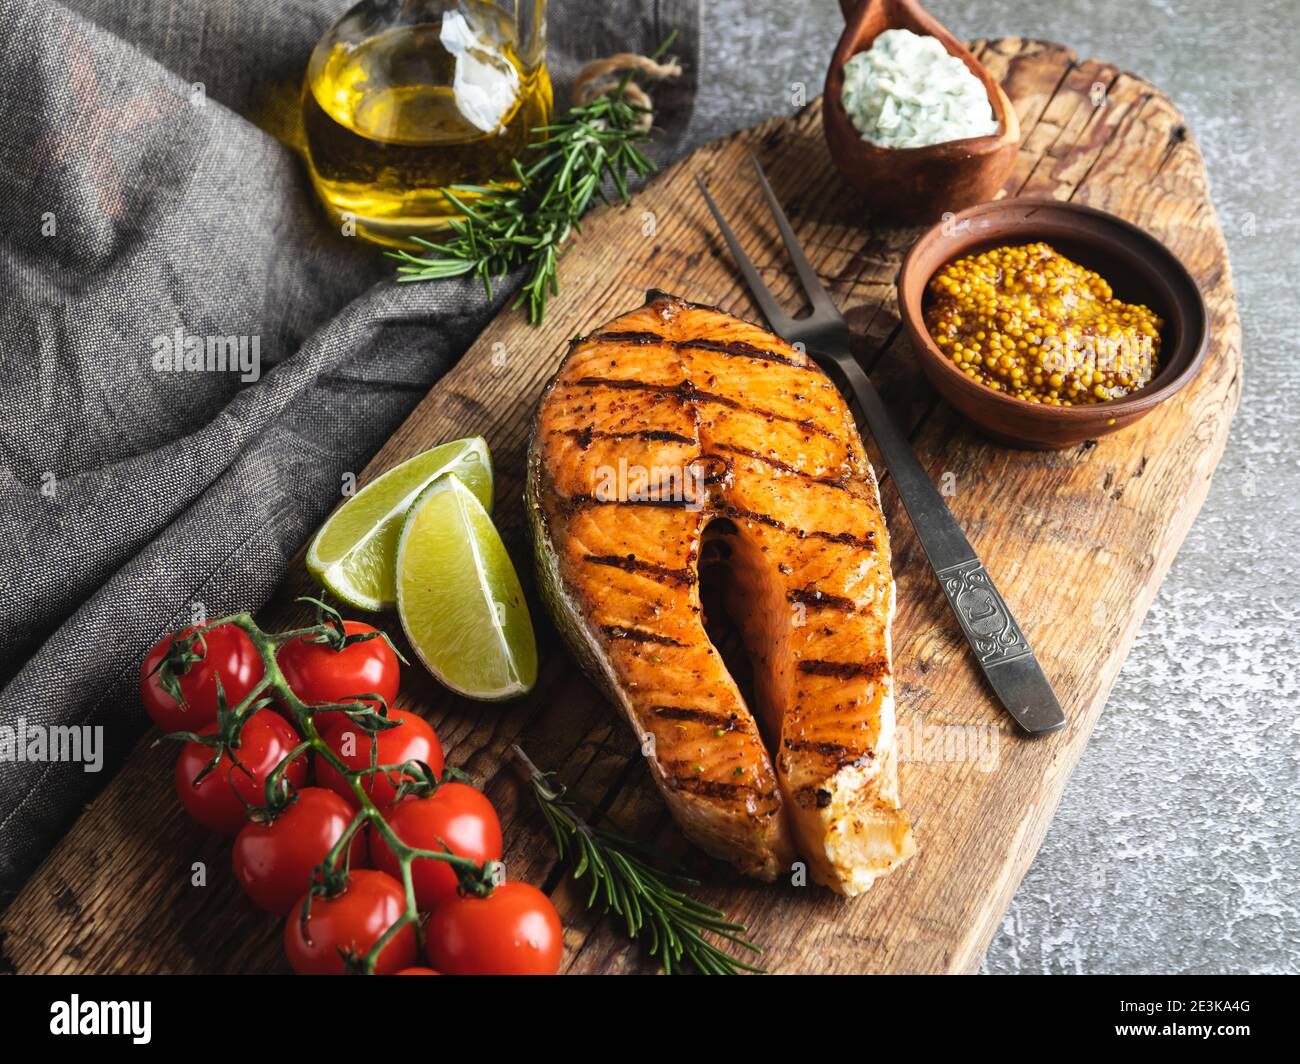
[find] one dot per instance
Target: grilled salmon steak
(678, 433)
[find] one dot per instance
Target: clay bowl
(914, 184)
(1139, 268)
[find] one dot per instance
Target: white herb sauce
(907, 91)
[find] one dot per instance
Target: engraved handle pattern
(984, 617)
(995, 638)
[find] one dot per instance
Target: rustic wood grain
(1078, 541)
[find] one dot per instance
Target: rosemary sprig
(647, 899)
(528, 222)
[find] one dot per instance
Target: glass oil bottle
(404, 98)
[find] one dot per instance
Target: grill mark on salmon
(775, 463)
(728, 792)
(736, 349)
(810, 596)
(631, 564)
(861, 542)
(867, 542)
(639, 635)
(585, 436)
(736, 513)
(630, 337)
(688, 392)
(629, 384)
(574, 503)
(837, 752)
(845, 670)
(699, 390)
(725, 721)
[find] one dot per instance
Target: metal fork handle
(1000, 646)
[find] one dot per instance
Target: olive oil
(392, 120)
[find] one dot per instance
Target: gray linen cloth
(143, 193)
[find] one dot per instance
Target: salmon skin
(678, 430)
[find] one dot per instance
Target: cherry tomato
(418, 971)
(318, 673)
(458, 815)
(274, 861)
(265, 741)
(515, 930)
(225, 651)
(352, 921)
(411, 740)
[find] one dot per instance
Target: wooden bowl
(1139, 268)
(914, 184)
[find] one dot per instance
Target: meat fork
(999, 644)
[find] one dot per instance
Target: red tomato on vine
(215, 801)
(273, 861)
(318, 673)
(456, 814)
(515, 930)
(412, 740)
(225, 652)
(352, 922)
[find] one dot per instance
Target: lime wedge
(459, 597)
(354, 554)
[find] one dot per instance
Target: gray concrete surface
(1175, 847)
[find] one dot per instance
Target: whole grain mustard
(1029, 322)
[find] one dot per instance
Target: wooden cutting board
(1078, 541)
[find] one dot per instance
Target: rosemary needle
(528, 222)
(649, 902)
